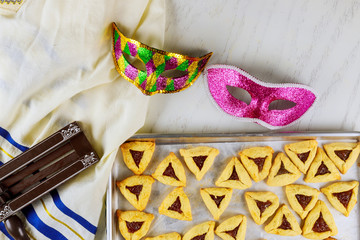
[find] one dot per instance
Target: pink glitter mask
(262, 94)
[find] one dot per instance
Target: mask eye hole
(240, 94)
(281, 104)
(174, 73)
(135, 62)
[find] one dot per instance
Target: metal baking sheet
(229, 145)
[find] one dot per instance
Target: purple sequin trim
(143, 85)
(117, 49)
(180, 82)
(171, 63)
(150, 67)
(161, 83)
(131, 72)
(132, 48)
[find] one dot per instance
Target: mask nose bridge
(259, 104)
(147, 65)
(254, 107)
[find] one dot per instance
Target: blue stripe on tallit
(5, 134)
(34, 220)
(64, 209)
(3, 230)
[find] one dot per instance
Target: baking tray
(229, 145)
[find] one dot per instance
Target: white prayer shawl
(56, 66)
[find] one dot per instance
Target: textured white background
(315, 43)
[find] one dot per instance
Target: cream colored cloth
(56, 66)
(10, 7)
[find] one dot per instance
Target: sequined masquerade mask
(153, 79)
(262, 95)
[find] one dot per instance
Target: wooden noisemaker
(40, 169)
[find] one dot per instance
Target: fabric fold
(56, 67)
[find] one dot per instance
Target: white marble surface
(316, 43)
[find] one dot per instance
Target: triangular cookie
(322, 169)
(234, 176)
(176, 205)
(136, 189)
(216, 200)
(302, 153)
(137, 155)
(233, 228)
(342, 195)
(283, 171)
(199, 159)
(134, 225)
(319, 223)
(344, 155)
(167, 236)
(284, 223)
(171, 172)
(257, 161)
(202, 231)
(302, 198)
(261, 205)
